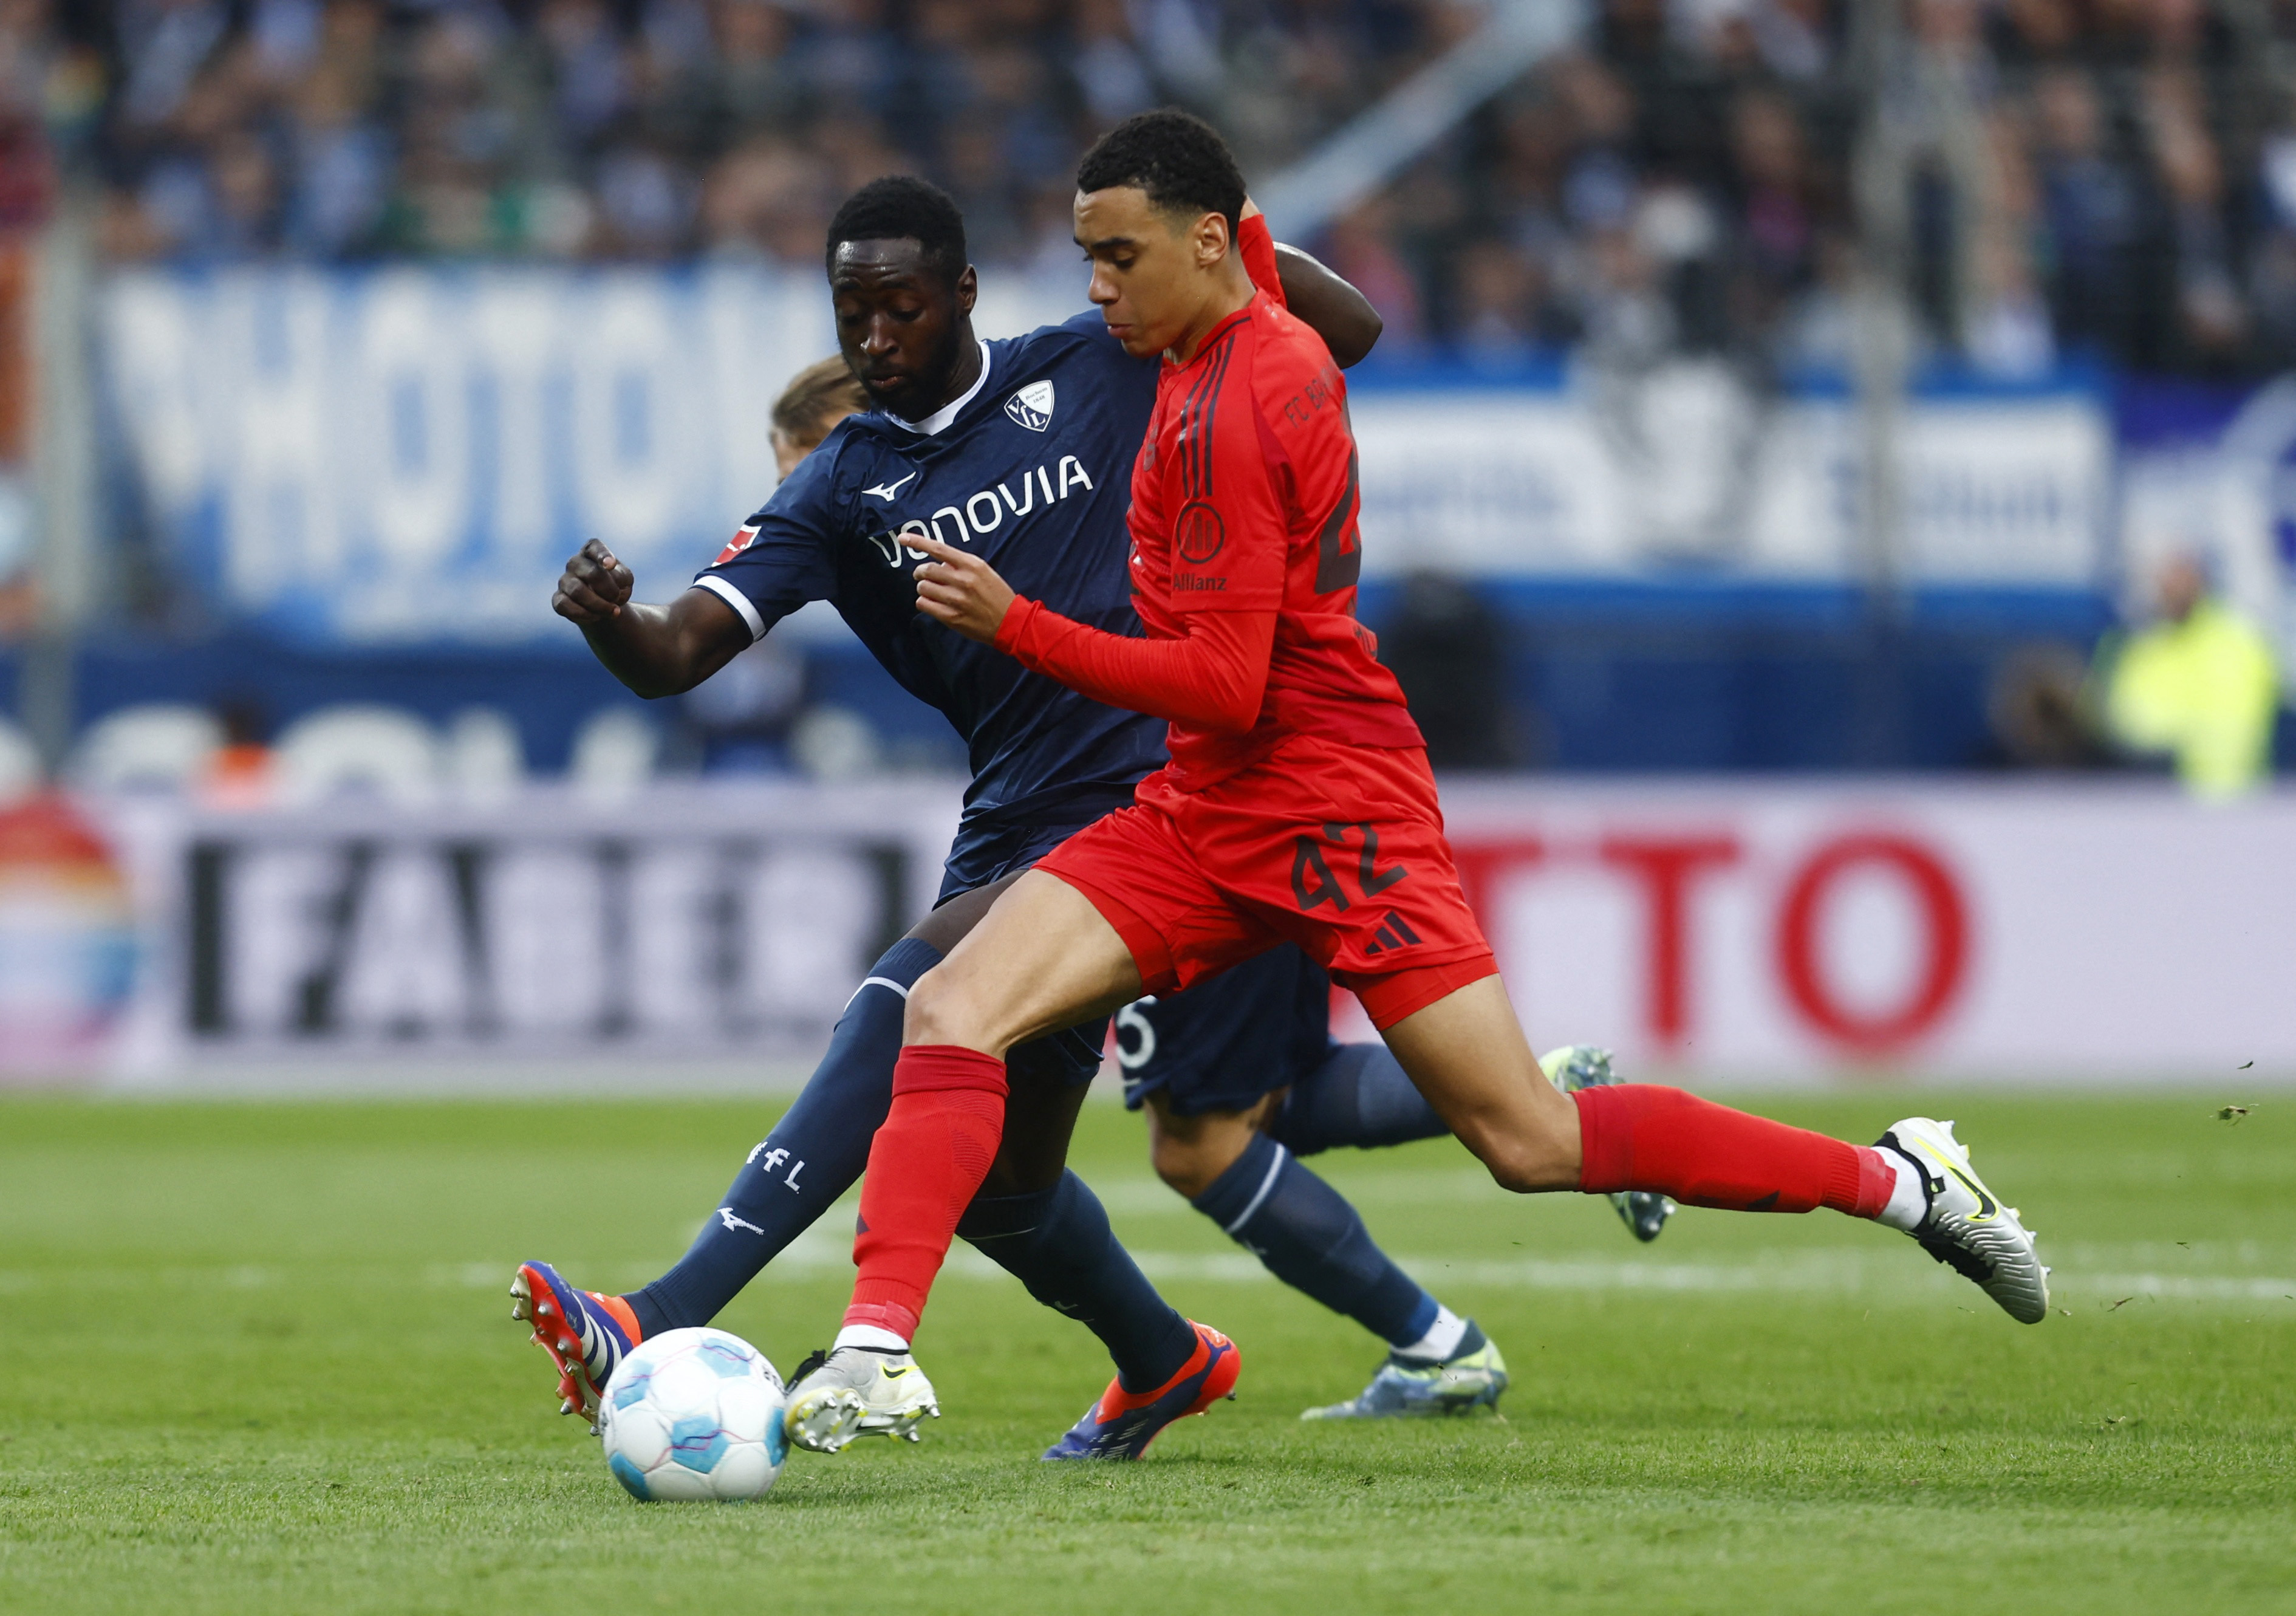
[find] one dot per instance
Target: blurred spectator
(2090, 210)
(240, 772)
(2039, 712)
(1448, 651)
(2108, 179)
(2198, 685)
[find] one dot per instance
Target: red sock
(925, 1165)
(1641, 1137)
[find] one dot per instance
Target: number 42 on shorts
(1313, 884)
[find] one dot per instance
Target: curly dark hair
(901, 207)
(1176, 158)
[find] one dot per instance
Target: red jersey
(1245, 498)
(1244, 505)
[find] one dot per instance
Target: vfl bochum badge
(1032, 405)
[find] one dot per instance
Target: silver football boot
(1473, 1377)
(856, 1391)
(1576, 1066)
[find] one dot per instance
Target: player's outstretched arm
(657, 650)
(1215, 677)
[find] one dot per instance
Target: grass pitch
(259, 1358)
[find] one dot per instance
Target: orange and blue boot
(585, 1332)
(1122, 1423)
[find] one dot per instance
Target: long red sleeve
(1213, 679)
(1257, 245)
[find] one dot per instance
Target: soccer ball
(693, 1413)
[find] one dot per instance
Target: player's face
(901, 326)
(1149, 268)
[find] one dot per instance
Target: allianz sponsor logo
(980, 514)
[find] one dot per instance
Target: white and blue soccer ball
(693, 1413)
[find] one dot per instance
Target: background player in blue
(1238, 1085)
(1021, 448)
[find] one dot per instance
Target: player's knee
(1528, 1164)
(938, 1012)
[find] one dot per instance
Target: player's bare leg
(1059, 964)
(1043, 958)
(1467, 1052)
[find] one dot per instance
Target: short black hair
(1176, 157)
(901, 207)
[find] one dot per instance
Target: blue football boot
(1471, 1377)
(585, 1332)
(1576, 1066)
(1122, 1423)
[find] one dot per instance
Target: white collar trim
(932, 424)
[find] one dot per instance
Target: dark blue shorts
(1230, 1039)
(981, 856)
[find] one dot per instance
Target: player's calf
(1576, 1066)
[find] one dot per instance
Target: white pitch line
(1842, 1273)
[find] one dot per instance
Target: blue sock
(1312, 1240)
(1058, 1243)
(1358, 1097)
(815, 1153)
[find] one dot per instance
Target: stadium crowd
(2113, 178)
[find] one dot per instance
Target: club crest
(1032, 405)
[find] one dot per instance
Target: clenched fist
(593, 588)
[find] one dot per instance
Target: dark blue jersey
(1032, 470)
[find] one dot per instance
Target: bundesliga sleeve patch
(741, 541)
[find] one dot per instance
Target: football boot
(1966, 1226)
(585, 1332)
(1473, 1377)
(1122, 1423)
(856, 1391)
(1576, 1066)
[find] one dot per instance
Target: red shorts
(1338, 849)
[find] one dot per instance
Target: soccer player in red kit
(1297, 806)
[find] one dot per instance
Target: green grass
(259, 1360)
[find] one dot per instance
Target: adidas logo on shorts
(1393, 934)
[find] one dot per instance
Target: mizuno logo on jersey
(887, 490)
(739, 542)
(983, 513)
(1032, 405)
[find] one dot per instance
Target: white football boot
(1967, 1227)
(856, 1391)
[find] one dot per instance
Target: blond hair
(816, 398)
